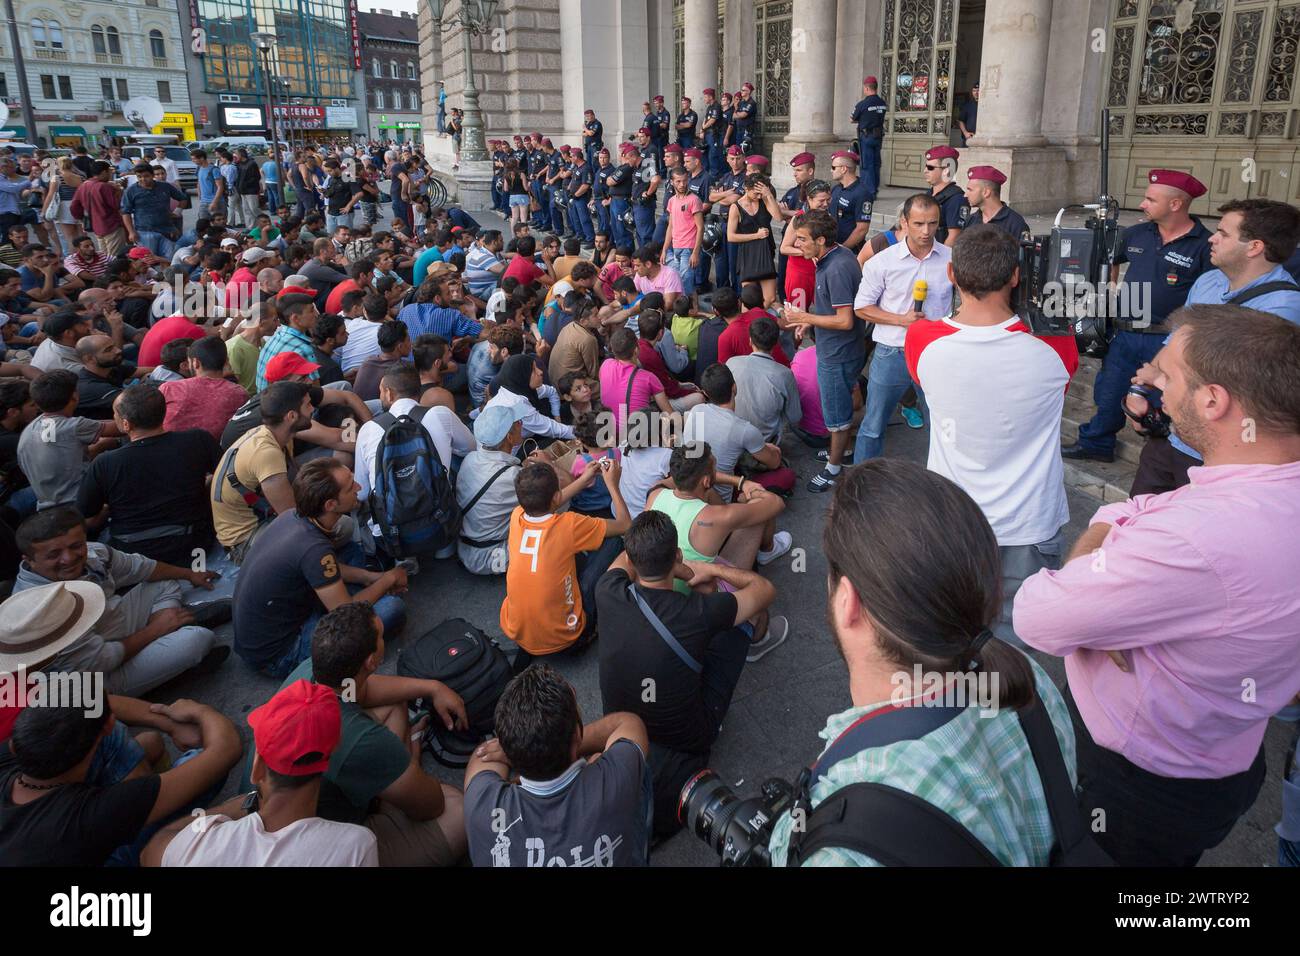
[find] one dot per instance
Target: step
(1104, 481)
(1128, 445)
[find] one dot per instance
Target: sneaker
(822, 481)
(913, 417)
(846, 459)
(781, 542)
(778, 629)
(212, 614)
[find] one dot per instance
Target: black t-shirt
(154, 482)
(247, 417)
(276, 590)
(11, 474)
(73, 825)
(706, 352)
(95, 395)
(330, 370)
(633, 651)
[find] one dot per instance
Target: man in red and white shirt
(86, 260)
(995, 394)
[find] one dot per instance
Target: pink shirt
(666, 281)
(681, 219)
(804, 367)
(205, 403)
(613, 388)
(1197, 587)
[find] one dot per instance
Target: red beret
(803, 159)
(1179, 180)
(565, 148)
(747, 86)
(686, 99)
(536, 135)
(871, 81)
(672, 148)
(627, 147)
(735, 150)
(603, 151)
(756, 160)
(643, 131)
(845, 154)
(693, 152)
(709, 91)
(659, 98)
(547, 141)
(989, 173)
(941, 152)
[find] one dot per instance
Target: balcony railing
(45, 53)
(160, 62)
(115, 59)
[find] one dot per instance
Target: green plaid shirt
(979, 770)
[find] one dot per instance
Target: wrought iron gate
(772, 22)
(918, 57)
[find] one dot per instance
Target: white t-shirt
(362, 343)
(220, 841)
(642, 467)
(495, 304)
(995, 395)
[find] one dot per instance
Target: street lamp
(264, 40)
(474, 17)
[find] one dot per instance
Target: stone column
(602, 59)
(701, 51)
(812, 89)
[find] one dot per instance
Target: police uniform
(713, 160)
(747, 128)
(869, 115)
(537, 164)
(850, 206)
(620, 192)
(661, 122)
(1006, 219)
(643, 210)
(686, 138)
(700, 184)
(579, 206)
(1159, 276)
(664, 191)
(499, 157)
(553, 166)
(599, 192)
(726, 261)
(595, 143)
(728, 126)
(954, 212)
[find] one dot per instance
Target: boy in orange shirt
(543, 611)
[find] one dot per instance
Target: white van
(254, 144)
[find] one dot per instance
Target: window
(164, 91)
(65, 87)
(379, 99)
(413, 99)
(157, 45)
(47, 86)
(56, 34)
(106, 87)
(392, 69)
(122, 92)
(38, 33)
(375, 69)
(114, 42)
(410, 70)
(4, 86)
(151, 3)
(97, 39)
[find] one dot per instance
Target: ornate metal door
(679, 56)
(1207, 86)
(772, 21)
(918, 40)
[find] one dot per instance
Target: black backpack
(470, 663)
(898, 828)
(413, 501)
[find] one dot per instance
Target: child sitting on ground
(54, 448)
(171, 365)
(591, 428)
(577, 394)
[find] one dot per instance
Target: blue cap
(494, 423)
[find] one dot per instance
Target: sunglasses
(930, 169)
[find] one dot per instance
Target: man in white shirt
(160, 159)
(996, 394)
(886, 298)
(399, 394)
(294, 734)
(363, 333)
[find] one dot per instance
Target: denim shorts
(518, 200)
(116, 756)
(835, 383)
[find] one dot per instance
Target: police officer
(941, 175)
(850, 201)
(549, 176)
(727, 105)
(557, 182)
(600, 191)
(593, 136)
(745, 117)
(701, 184)
(1165, 255)
(687, 121)
(966, 116)
(499, 157)
(869, 115)
(723, 194)
(672, 161)
(620, 184)
(984, 196)
(578, 185)
(713, 130)
(520, 154)
(646, 193)
(661, 124)
(537, 173)
(794, 201)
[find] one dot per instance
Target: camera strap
(1254, 292)
(662, 630)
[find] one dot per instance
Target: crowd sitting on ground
(601, 428)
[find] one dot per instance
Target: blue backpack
(413, 500)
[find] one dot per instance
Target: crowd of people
(598, 409)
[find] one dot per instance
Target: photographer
(913, 584)
(999, 392)
(1176, 613)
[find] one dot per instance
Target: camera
(738, 830)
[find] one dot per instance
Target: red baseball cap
(1167, 177)
(803, 159)
(941, 152)
(142, 252)
(296, 730)
(988, 173)
(286, 364)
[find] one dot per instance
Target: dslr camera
(738, 830)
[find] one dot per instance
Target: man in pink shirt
(1178, 614)
(685, 231)
(624, 385)
(653, 276)
(206, 400)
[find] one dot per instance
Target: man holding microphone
(907, 281)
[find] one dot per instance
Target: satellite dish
(143, 111)
(4, 113)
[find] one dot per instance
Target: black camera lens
(706, 806)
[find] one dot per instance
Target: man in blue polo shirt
(1254, 238)
(850, 201)
(147, 212)
(1166, 255)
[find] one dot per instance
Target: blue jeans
(498, 201)
(23, 502)
(333, 222)
(602, 219)
(272, 197)
(1128, 352)
(116, 756)
(661, 227)
(156, 243)
(617, 208)
(686, 140)
(391, 610)
(869, 153)
(680, 259)
(580, 220)
(835, 384)
(644, 217)
(887, 382)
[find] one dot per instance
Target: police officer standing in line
(940, 176)
(850, 201)
(745, 117)
(687, 121)
(600, 191)
(537, 172)
(728, 107)
(579, 187)
(712, 131)
(661, 124)
(672, 160)
(499, 156)
(984, 196)
(869, 115)
(967, 114)
(593, 136)
(701, 184)
(620, 184)
(1166, 254)
(724, 194)
(646, 193)
(550, 185)
(520, 154)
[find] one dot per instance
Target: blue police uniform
(579, 206)
(746, 127)
(954, 211)
(1006, 219)
(713, 150)
(643, 210)
(686, 137)
(850, 206)
(662, 194)
(661, 124)
(537, 163)
(620, 191)
(869, 115)
(700, 184)
(498, 197)
(726, 262)
(554, 166)
(1160, 275)
(593, 144)
(599, 192)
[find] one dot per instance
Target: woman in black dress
(749, 226)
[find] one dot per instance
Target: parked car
(185, 168)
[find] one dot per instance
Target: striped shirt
(427, 317)
(978, 770)
(285, 339)
(95, 268)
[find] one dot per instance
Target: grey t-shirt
(52, 453)
(766, 392)
(726, 432)
(594, 814)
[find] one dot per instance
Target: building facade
(84, 59)
(312, 72)
(1208, 86)
(390, 70)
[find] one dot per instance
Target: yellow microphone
(918, 296)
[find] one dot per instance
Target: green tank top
(682, 512)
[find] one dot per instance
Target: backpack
(898, 828)
(413, 501)
(470, 663)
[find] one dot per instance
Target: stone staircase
(1101, 480)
